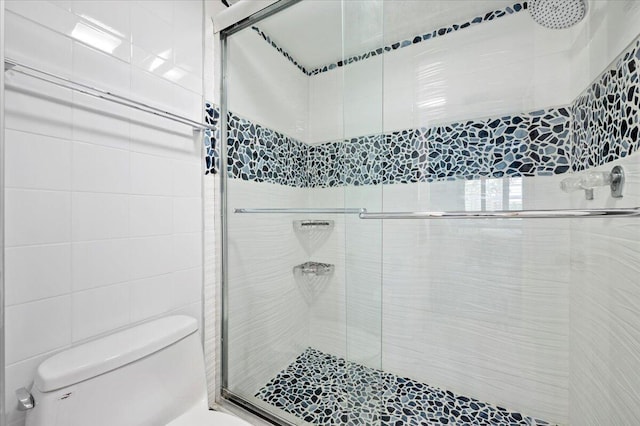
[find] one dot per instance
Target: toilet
(149, 375)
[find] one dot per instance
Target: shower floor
(323, 389)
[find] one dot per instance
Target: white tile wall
(41, 162)
(608, 28)
(268, 324)
(265, 87)
(473, 73)
(103, 205)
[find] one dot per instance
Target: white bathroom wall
(504, 66)
(479, 307)
(605, 338)
(265, 87)
(608, 28)
(103, 204)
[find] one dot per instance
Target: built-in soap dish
(313, 225)
(314, 268)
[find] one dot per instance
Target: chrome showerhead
(557, 14)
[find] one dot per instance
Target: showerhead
(557, 14)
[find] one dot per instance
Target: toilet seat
(203, 417)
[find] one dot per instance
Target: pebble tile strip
(600, 126)
(326, 390)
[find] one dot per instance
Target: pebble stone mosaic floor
(326, 390)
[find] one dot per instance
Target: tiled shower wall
(103, 205)
(498, 329)
(605, 337)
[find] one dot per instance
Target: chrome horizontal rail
(301, 211)
(12, 65)
(507, 214)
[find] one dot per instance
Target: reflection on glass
(493, 194)
(95, 38)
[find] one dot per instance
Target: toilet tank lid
(108, 353)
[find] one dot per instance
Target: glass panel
(475, 312)
(432, 106)
(364, 142)
(267, 303)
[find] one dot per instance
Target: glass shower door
(303, 282)
(362, 169)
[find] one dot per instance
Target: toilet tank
(145, 375)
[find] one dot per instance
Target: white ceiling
(312, 31)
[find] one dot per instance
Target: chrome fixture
(17, 67)
(507, 214)
(558, 14)
(25, 399)
(590, 180)
(497, 214)
(314, 268)
(301, 211)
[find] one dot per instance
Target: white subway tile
(159, 136)
(151, 296)
(99, 263)
(37, 272)
(35, 44)
(152, 89)
(37, 107)
(187, 250)
(100, 310)
(150, 175)
(112, 16)
(151, 256)
(187, 215)
(37, 327)
(187, 179)
(187, 287)
(99, 216)
(150, 215)
(162, 9)
(100, 169)
(187, 36)
(100, 122)
(150, 62)
(37, 161)
(37, 217)
(99, 69)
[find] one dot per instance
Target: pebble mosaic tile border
(324, 390)
(600, 126)
(606, 115)
(533, 144)
(260, 154)
(211, 155)
(418, 38)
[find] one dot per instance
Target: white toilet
(149, 375)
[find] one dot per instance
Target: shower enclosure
(430, 213)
